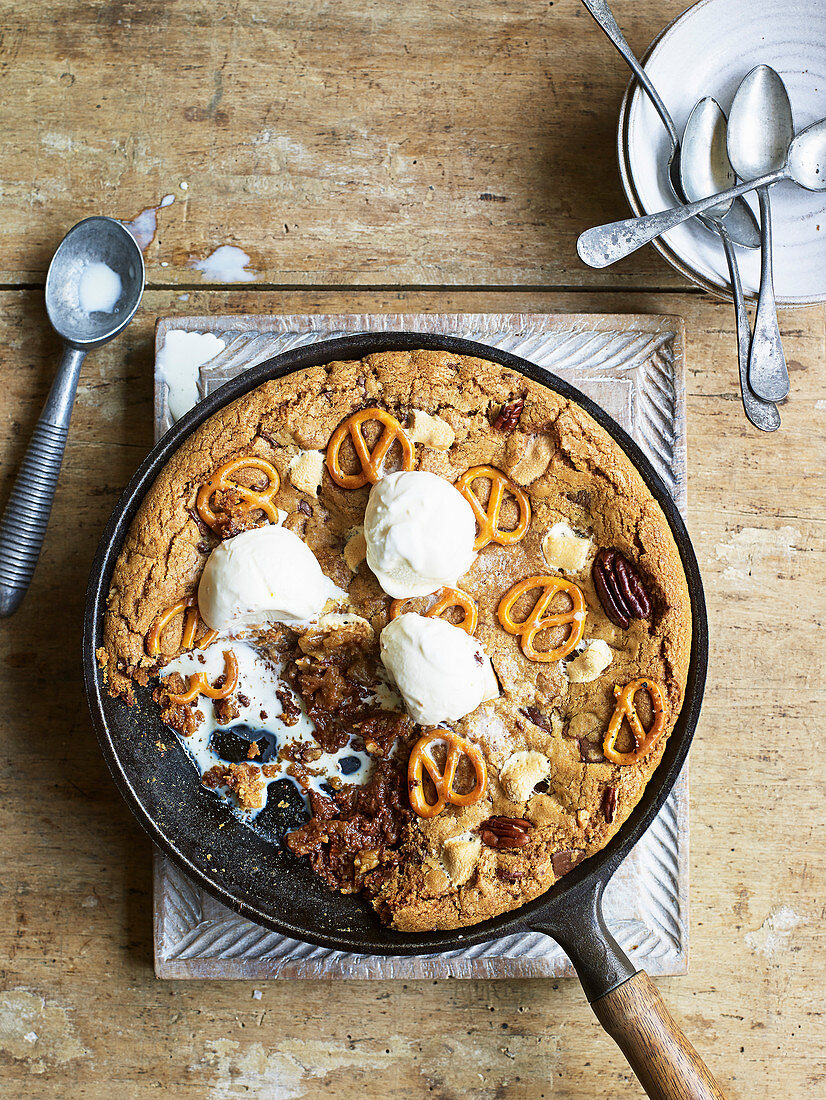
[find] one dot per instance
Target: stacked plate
(706, 52)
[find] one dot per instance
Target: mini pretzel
(446, 598)
(537, 620)
(224, 479)
(625, 709)
(488, 518)
(189, 609)
(372, 462)
(420, 759)
(199, 685)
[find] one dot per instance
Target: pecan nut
(620, 589)
(505, 832)
(508, 874)
(509, 415)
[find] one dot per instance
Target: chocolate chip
(581, 497)
(589, 753)
(563, 862)
(609, 803)
(538, 718)
(199, 523)
(304, 507)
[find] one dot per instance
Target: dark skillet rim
(593, 873)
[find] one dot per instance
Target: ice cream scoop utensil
(23, 524)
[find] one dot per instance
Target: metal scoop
(95, 241)
(805, 164)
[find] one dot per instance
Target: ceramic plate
(707, 51)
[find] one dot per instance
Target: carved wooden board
(633, 366)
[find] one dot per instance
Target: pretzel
(372, 462)
(199, 685)
(446, 598)
(537, 620)
(420, 759)
(189, 609)
(625, 709)
(488, 518)
(223, 479)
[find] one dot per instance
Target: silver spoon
(759, 132)
(705, 169)
(805, 164)
(739, 220)
(26, 516)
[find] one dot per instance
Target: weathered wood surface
(76, 939)
(446, 142)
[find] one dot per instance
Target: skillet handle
(626, 1002)
(667, 1065)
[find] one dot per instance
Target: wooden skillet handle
(667, 1065)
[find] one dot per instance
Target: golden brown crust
(573, 473)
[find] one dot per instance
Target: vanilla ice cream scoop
(263, 576)
(419, 531)
(441, 672)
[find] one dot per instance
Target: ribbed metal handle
(24, 521)
(26, 516)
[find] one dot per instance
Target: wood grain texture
(434, 142)
(75, 942)
(667, 1065)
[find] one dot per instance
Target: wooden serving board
(631, 365)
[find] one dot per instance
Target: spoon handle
(605, 244)
(768, 374)
(601, 12)
(762, 414)
(26, 516)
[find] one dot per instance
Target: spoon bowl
(95, 240)
(807, 158)
(705, 168)
(760, 126)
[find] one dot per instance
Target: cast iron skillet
(266, 883)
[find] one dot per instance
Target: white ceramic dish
(707, 51)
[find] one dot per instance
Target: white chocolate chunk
(593, 660)
(544, 809)
(460, 854)
(521, 772)
(534, 461)
(355, 549)
(306, 471)
(430, 431)
(564, 549)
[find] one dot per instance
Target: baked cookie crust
(542, 738)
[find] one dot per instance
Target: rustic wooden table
(368, 155)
